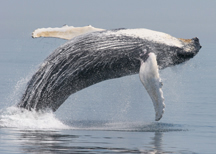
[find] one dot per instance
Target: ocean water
(115, 116)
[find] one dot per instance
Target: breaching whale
(93, 55)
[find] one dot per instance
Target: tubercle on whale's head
(185, 40)
(191, 47)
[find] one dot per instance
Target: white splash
(24, 119)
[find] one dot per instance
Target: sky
(182, 19)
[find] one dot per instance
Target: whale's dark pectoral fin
(149, 76)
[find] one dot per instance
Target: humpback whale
(93, 55)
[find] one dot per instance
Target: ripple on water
(126, 126)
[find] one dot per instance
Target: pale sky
(184, 19)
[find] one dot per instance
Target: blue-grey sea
(114, 116)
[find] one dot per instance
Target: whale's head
(190, 49)
(192, 45)
(173, 55)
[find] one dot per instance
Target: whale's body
(97, 56)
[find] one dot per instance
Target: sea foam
(13, 117)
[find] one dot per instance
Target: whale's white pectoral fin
(65, 32)
(149, 76)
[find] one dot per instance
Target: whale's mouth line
(186, 55)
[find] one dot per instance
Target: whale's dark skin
(91, 58)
